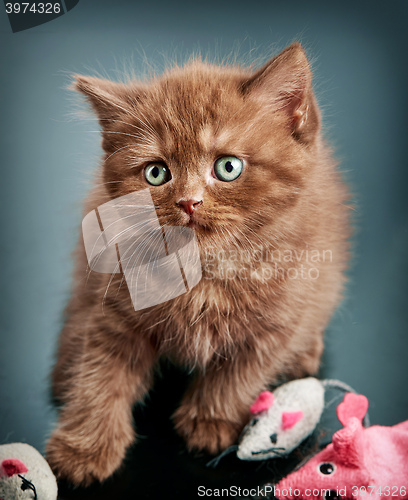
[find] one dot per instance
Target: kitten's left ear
(285, 84)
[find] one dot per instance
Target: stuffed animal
(282, 419)
(360, 463)
(25, 475)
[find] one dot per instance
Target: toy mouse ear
(12, 466)
(263, 402)
(346, 443)
(290, 418)
(353, 405)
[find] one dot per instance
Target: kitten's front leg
(216, 406)
(95, 425)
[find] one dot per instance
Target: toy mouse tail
(215, 461)
(338, 384)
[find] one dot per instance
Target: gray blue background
(47, 156)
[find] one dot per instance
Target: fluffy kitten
(239, 334)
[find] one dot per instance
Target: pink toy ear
(263, 402)
(290, 418)
(346, 443)
(353, 405)
(12, 466)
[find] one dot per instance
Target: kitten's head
(222, 149)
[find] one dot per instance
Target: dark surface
(158, 465)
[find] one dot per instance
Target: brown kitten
(239, 335)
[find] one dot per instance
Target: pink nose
(189, 205)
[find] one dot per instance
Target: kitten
(239, 157)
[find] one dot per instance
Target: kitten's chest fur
(209, 322)
(219, 317)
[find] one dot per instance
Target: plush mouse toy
(360, 463)
(283, 419)
(24, 474)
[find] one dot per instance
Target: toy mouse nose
(273, 437)
(189, 205)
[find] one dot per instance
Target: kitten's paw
(80, 461)
(211, 435)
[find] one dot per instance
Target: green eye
(157, 174)
(228, 168)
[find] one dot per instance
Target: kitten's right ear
(111, 101)
(108, 99)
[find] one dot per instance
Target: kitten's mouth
(195, 223)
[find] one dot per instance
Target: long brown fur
(237, 335)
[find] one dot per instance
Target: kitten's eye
(157, 174)
(228, 168)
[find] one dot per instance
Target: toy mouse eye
(332, 495)
(327, 468)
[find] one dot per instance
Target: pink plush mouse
(360, 463)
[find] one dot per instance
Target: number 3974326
(376, 491)
(33, 8)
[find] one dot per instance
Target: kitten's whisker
(107, 182)
(117, 151)
(147, 124)
(127, 123)
(113, 120)
(119, 265)
(117, 132)
(146, 246)
(117, 268)
(103, 233)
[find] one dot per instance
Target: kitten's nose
(189, 205)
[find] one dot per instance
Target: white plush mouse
(25, 474)
(282, 419)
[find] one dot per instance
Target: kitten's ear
(285, 84)
(111, 102)
(108, 99)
